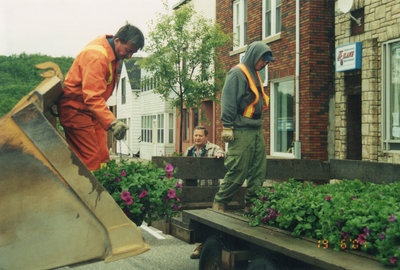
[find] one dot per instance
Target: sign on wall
(348, 57)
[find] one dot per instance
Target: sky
(64, 27)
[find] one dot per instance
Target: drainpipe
(297, 143)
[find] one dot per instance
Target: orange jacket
(89, 82)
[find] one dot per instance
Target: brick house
(367, 103)
(274, 22)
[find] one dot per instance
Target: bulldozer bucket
(53, 211)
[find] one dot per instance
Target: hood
(253, 53)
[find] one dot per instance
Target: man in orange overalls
(89, 83)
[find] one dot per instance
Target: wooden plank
(194, 167)
(280, 241)
(364, 171)
(299, 169)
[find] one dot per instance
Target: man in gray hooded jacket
(242, 103)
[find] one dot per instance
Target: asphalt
(166, 253)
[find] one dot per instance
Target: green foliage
(18, 76)
(183, 57)
(348, 215)
(142, 190)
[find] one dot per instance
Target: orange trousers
(85, 136)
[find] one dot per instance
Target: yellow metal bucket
(53, 211)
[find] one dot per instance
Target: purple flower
(382, 236)
(143, 208)
(367, 231)
(393, 260)
(392, 218)
(178, 185)
(264, 198)
(171, 193)
(264, 220)
(344, 235)
(123, 173)
(125, 195)
(328, 198)
(176, 207)
(116, 179)
(169, 168)
(143, 194)
(168, 175)
(107, 174)
(272, 191)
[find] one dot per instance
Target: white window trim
(272, 120)
(273, 19)
(240, 4)
(386, 101)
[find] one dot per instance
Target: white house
(151, 120)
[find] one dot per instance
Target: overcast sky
(64, 27)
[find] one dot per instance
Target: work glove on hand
(227, 134)
(119, 129)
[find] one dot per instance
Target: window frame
(388, 144)
(239, 23)
(273, 124)
(273, 24)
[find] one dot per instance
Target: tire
(210, 257)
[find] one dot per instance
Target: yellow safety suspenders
(248, 112)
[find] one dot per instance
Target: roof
(180, 3)
(133, 71)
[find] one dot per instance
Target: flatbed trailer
(229, 242)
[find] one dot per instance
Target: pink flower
(382, 236)
(176, 207)
(171, 193)
(143, 194)
(354, 198)
(264, 199)
(123, 173)
(344, 235)
(361, 238)
(328, 198)
(116, 179)
(129, 201)
(392, 218)
(272, 191)
(168, 175)
(177, 199)
(178, 185)
(264, 220)
(393, 260)
(143, 208)
(366, 231)
(125, 195)
(169, 168)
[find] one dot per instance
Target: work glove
(119, 129)
(227, 134)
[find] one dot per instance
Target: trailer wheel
(262, 264)
(210, 257)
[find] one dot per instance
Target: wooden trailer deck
(267, 237)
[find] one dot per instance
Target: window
(240, 23)
(170, 128)
(147, 128)
(123, 91)
(160, 128)
(391, 95)
(282, 125)
(271, 17)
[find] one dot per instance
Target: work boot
(218, 207)
(197, 251)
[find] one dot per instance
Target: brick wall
(316, 58)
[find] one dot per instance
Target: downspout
(297, 143)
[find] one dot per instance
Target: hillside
(18, 76)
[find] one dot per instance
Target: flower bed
(142, 190)
(347, 215)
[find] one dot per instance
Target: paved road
(166, 253)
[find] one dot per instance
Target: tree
(183, 57)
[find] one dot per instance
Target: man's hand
(220, 154)
(119, 129)
(227, 134)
